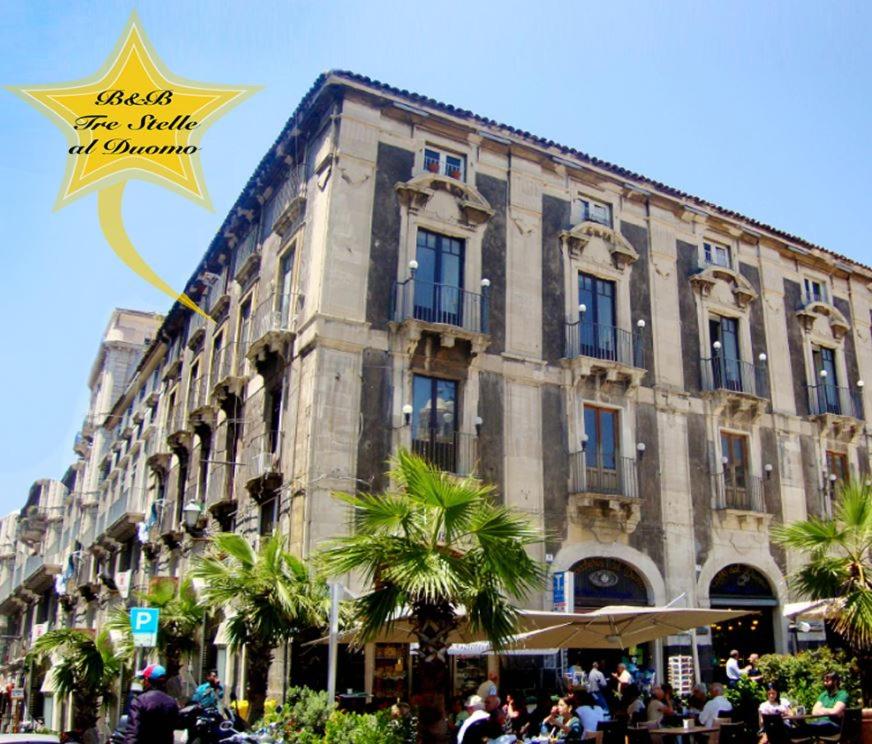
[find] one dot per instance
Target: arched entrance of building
(599, 582)
(740, 587)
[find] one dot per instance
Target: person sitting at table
(772, 705)
(562, 723)
(658, 707)
(831, 703)
(697, 699)
(633, 707)
(588, 712)
(717, 705)
(516, 713)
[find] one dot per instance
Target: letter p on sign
(143, 624)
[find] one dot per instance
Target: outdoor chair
(777, 731)
(614, 732)
(594, 737)
(852, 722)
(731, 733)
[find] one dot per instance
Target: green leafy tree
(83, 665)
(839, 565)
(434, 545)
(179, 626)
(267, 596)
(800, 676)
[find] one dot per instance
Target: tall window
(269, 515)
(827, 398)
(217, 343)
(434, 420)
(244, 324)
(717, 254)
(439, 278)
(274, 418)
(815, 291)
(726, 358)
(602, 449)
(734, 451)
(598, 334)
(837, 464)
(286, 286)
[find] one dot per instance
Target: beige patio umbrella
(619, 626)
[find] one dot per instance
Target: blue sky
(760, 107)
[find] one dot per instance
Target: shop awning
(817, 609)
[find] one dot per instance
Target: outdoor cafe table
(681, 731)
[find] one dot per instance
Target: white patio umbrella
(619, 627)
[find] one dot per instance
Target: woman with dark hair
(516, 713)
(772, 705)
(632, 705)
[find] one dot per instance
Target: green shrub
(370, 728)
(800, 677)
(303, 716)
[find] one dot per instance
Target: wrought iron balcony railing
(612, 475)
(198, 395)
(722, 373)
(737, 489)
(840, 401)
(604, 342)
(440, 304)
(453, 452)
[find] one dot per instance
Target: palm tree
(179, 626)
(436, 544)
(267, 597)
(85, 666)
(839, 565)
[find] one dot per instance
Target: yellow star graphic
(133, 119)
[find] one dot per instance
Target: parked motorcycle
(210, 726)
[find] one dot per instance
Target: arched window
(606, 581)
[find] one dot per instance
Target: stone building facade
(654, 379)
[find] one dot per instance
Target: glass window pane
(422, 409)
(590, 430)
(607, 435)
(446, 414)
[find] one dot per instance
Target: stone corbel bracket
(576, 239)
(743, 292)
(417, 192)
(808, 314)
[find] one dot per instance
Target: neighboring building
(654, 379)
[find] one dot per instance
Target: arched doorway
(740, 587)
(599, 582)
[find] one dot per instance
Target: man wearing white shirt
(734, 673)
(714, 707)
(475, 707)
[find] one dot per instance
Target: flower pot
(433, 167)
(454, 173)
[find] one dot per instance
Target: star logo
(133, 119)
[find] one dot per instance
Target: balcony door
(434, 421)
(827, 384)
(726, 360)
(286, 285)
(734, 450)
(597, 323)
(602, 449)
(439, 279)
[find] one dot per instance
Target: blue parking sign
(143, 624)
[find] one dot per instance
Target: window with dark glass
(444, 163)
(594, 211)
(602, 449)
(269, 515)
(598, 334)
(734, 455)
(815, 291)
(244, 324)
(274, 417)
(286, 286)
(434, 420)
(717, 254)
(726, 358)
(827, 388)
(439, 278)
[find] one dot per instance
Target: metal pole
(697, 675)
(332, 653)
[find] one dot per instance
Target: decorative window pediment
(576, 240)
(417, 192)
(809, 314)
(705, 280)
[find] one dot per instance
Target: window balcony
(452, 312)
(124, 514)
(229, 376)
(604, 494)
(196, 330)
(597, 348)
(262, 467)
(453, 452)
(734, 386)
(826, 399)
(737, 490)
(287, 204)
(220, 494)
(199, 404)
(274, 326)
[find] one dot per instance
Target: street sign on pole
(143, 624)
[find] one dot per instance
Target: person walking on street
(596, 685)
(154, 715)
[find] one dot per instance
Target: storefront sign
(562, 591)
